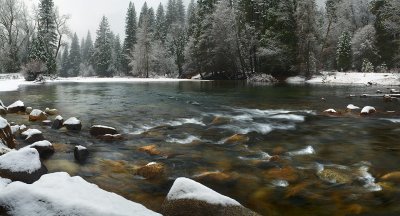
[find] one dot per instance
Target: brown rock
(237, 138)
(151, 150)
(37, 115)
(392, 177)
(6, 136)
(219, 120)
(335, 176)
(51, 112)
(3, 110)
(287, 173)
(151, 170)
(213, 176)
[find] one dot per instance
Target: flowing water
(327, 165)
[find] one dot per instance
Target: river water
(327, 164)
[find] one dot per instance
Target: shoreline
(348, 78)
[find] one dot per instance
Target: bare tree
(62, 29)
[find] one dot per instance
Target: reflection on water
(269, 147)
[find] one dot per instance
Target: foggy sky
(86, 14)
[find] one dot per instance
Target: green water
(180, 119)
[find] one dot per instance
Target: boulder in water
(28, 110)
(73, 124)
(57, 123)
(237, 138)
(51, 112)
(188, 197)
(81, 153)
(151, 150)
(111, 137)
(3, 110)
(32, 136)
(151, 170)
(37, 115)
(16, 107)
(335, 176)
(45, 148)
(100, 130)
(23, 165)
(6, 135)
(368, 110)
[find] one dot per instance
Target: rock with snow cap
(73, 124)
(16, 107)
(61, 194)
(37, 115)
(57, 123)
(352, 107)
(23, 165)
(32, 136)
(100, 130)
(368, 110)
(187, 197)
(330, 111)
(28, 110)
(6, 135)
(81, 153)
(45, 148)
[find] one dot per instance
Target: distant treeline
(218, 39)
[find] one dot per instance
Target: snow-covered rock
(187, 197)
(99, 130)
(61, 194)
(368, 110)
(352, 107)
(23, 165)
(16, 107)
(331, 111)
(32, 135)
(73, 124)
(28, 110)
(45, 148)
(37, 115)
(58, 122)
(3, 110)
(81, 153)
(6, 135)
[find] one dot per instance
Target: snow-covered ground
(349, 78)
(11, 82)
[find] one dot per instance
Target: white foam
(280, 183)
(309, 150)
(187, 140)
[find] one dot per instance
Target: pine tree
(130, 37)
(103, 49)
(47, 33)
(116, 55)
(343, 53)
(75, 56)
(160, 30)
(88, 49)
(180, 12)
(65, 63)
(143, 15)
(191, 18)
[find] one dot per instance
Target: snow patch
(80, 148)
(30, 132)
(43, 143)
(61, 194)
(352, 107)
(3, 123)
(184, 188)
(24, 160)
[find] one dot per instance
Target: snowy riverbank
(350, 78)
(11, 82)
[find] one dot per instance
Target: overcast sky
(86, 14)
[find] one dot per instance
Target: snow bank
(3, 123)
(184, 188)
(24, 160)
(61, 194)
(4, 182)
(385, 79)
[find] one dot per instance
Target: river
(327, 164)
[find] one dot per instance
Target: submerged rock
(37, 115)
(16, 107)
(57, 123)
(151, 170)
(81, 153)
(73, 124)
(51, 112)
(6, 135)
(237, 138)
(219, 120)
(287, 173)
(32, 136)
(335, 176)
(111, 137)
(23, 165)
(392, 177)
(151, 150)
(100, 130)
(45, 148)
(188, 197)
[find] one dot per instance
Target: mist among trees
(216, 39)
